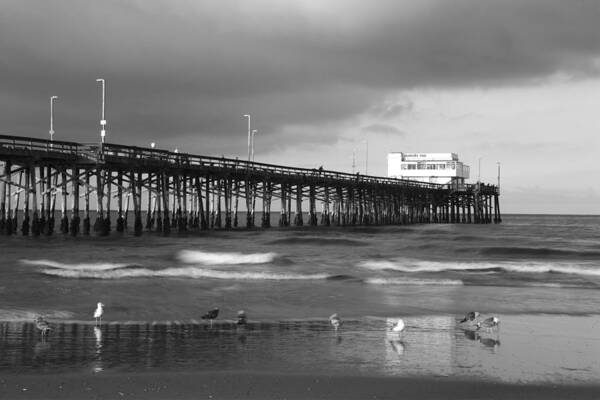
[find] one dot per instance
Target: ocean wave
(417, 282)
(538, 252)
(208, 258)
(413, 266)
(344, 277)
(405, 265)
(76, 267)
(180, 272)
(319, 241)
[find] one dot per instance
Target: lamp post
(366, 141)
(52, 98)
(498, 163)
(479, 170)
(353, 161)
(254, 131)
(249, 134)
(102, 120)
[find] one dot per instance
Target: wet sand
(530, 357)
(247, 385)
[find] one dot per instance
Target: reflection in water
(97, 364)
(488, 339)
(430, 345)
(41, 347)
(397, 346)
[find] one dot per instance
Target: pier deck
(191, 192)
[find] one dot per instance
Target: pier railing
(121, 153)
(186, 190)
(116, 153)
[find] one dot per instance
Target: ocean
(539, 274)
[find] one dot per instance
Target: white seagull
(335, 321)
(98, 313)
(396, 326)
(42, 325)
(488, 324)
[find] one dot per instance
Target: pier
(77, 188)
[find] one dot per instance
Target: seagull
(335, 321)
(212, 314)
(470, 317)
(397, 326)
(42, 325)
(241, 317)
(490, 323)
(98, 313)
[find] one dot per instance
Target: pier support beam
(298, 220)
(312, 221)
(64, 219)
(75, 219)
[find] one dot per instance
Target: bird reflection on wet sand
(492, 342)
(398, 346)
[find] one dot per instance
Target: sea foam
(178, 272)
(102, 266)
(413, 266)
(209, 258)
(414, 282)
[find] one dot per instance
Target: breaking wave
(413, 282)
(538, 252)
(405, 265)
(179, 272)
(77, 267)
(208, 258)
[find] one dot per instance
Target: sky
(515, 82)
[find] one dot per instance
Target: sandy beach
(248, 385)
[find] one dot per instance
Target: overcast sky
(516, 82)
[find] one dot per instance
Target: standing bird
(488, 324)
(98, 313)
(470, 317)
(42, 325)
(241, 317)
(396, 326)
(212, 314)
(335, 321)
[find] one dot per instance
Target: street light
(366, 141)
(249, 134)
(498, 176)
(479, 170)
(52, 98)
(102, 120)
(153, 145)
(254, 131)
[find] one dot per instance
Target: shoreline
(271, 385)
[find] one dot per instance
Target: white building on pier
(442, 168)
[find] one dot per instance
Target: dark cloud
(182, 69)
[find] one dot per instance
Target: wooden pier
(85, 185)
